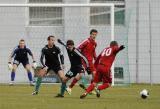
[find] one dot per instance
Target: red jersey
(107, 57)
(87, 48)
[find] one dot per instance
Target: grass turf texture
(123, 97)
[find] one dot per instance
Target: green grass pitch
(123, 97)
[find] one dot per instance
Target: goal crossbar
(59, 5)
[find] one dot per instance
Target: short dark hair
(113, 43)
(93, 30)
(50, 37)
(21, 40)
(70, 42)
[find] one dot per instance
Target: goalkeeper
(76, 69)
(20, 54)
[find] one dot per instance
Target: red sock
(73, 83)
(90, 88)
(103, 86)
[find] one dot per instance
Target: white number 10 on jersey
(107, 52)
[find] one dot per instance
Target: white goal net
(36, 21)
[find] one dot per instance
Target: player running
(20, 54)
(51, 53)
(103, 65)
(87, 48)
(76, 70)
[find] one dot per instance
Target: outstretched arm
(118, 49)
(121, 47)
(61, 42)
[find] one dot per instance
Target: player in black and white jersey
(51, 53)
(76, 70)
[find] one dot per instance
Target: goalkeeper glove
(34, 64)
(10, 66)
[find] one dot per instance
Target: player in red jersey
(87, 48)
(103, 65)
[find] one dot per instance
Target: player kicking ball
(103, 65)
(20, 54)
(51, 53)
(76, 69)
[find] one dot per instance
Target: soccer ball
(144, 93)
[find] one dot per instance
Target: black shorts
(55, 69)
(74, 71)
(24, 62)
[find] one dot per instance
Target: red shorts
(103, 75)
(91, 66)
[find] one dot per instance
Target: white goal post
(112, 14)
